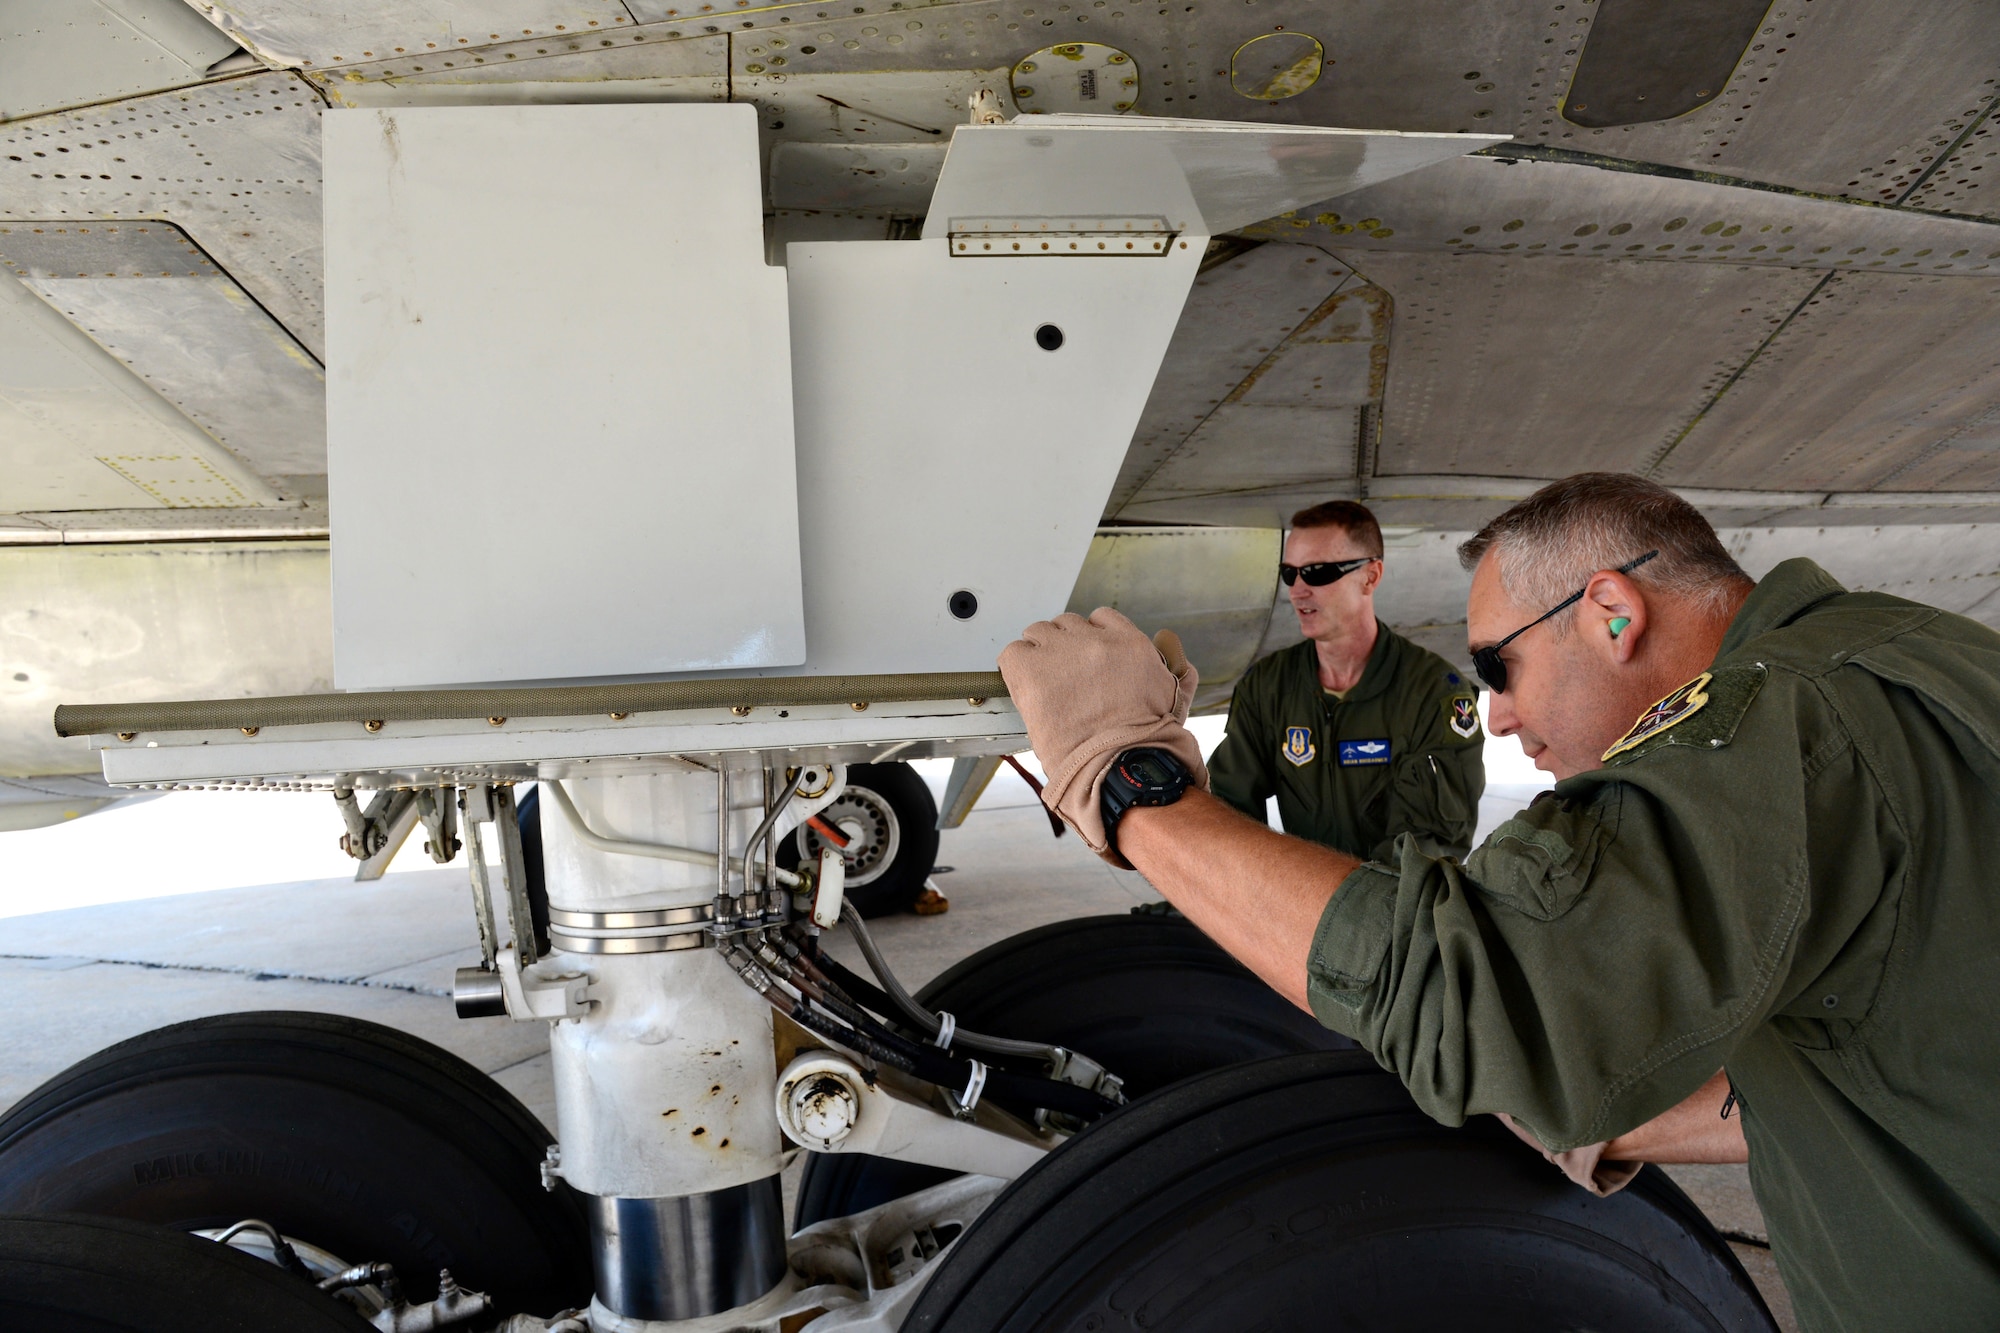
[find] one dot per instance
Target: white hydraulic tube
(659, 851)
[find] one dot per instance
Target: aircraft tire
(1309, 1191)
(102, 1275)
(900, 815)
(1148, 996)
(369, 1143)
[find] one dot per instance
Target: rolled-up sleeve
(1598, 958)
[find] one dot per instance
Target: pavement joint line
(419, 962)
(253, 973)
(524, 1060)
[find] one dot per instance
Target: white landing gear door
(952, 464)
(559, 420)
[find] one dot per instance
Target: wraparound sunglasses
(1321, 572)
(1486, 661)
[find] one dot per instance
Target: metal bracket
(824, 1103)
(478, 809)
(440, 815)
(375, 835)
(495, 805)
(534, 993)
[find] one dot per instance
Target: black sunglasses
(1322, 572)
(1486, 661)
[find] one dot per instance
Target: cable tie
(962, 1103)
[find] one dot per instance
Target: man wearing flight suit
(1359, 733)
(1771, 848)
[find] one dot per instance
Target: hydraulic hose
(924, 1018)
(928, 1063)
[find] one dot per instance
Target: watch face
(1147, 771)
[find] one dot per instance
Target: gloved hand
(1089, 690)
(1585, 1166)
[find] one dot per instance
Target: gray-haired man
(1770, 849)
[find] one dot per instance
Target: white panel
(559, 413)
(941, 449)
(1205, 176)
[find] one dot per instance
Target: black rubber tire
(101, 1275)
(1149, 997)
(1309, 1192)
(909, 800)
(365, 1141)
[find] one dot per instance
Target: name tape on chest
(1364, 754)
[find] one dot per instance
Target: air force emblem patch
(1676, 708)
(1364, 754)
(1464, 719)
(1298, 746)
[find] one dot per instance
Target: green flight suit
(1402, 753)
(1793, 877)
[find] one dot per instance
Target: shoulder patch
(1462, 716)
(1704, 712)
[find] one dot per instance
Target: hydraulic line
(589, 837)
(923, 1017)
(926, 1062)
(762, 833)
(800, 1012)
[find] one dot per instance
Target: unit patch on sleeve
(1298, 746)
(1702, 714)
(1464, 716)
(1671, 711)
(1363, 754)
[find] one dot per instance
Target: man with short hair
(1770, 849)
(1359, 733)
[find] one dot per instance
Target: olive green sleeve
(1601, 955)
(1238, 770)
(1435, 790)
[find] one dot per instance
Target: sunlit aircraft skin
(1745, 249)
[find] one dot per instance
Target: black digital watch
(1141, 776)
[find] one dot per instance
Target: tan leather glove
(1090, 690)
(1585, 1166)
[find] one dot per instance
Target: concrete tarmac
(76, 981)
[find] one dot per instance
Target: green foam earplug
(1618, 624)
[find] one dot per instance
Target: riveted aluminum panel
(82, 431)
(149, 297)
(61, 53)
(1881, 382)
(316, 33)
(1237, 314)
(1538, 367)
(234, 163)
(540, 344)
(1490, 205)
(1290, 429)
